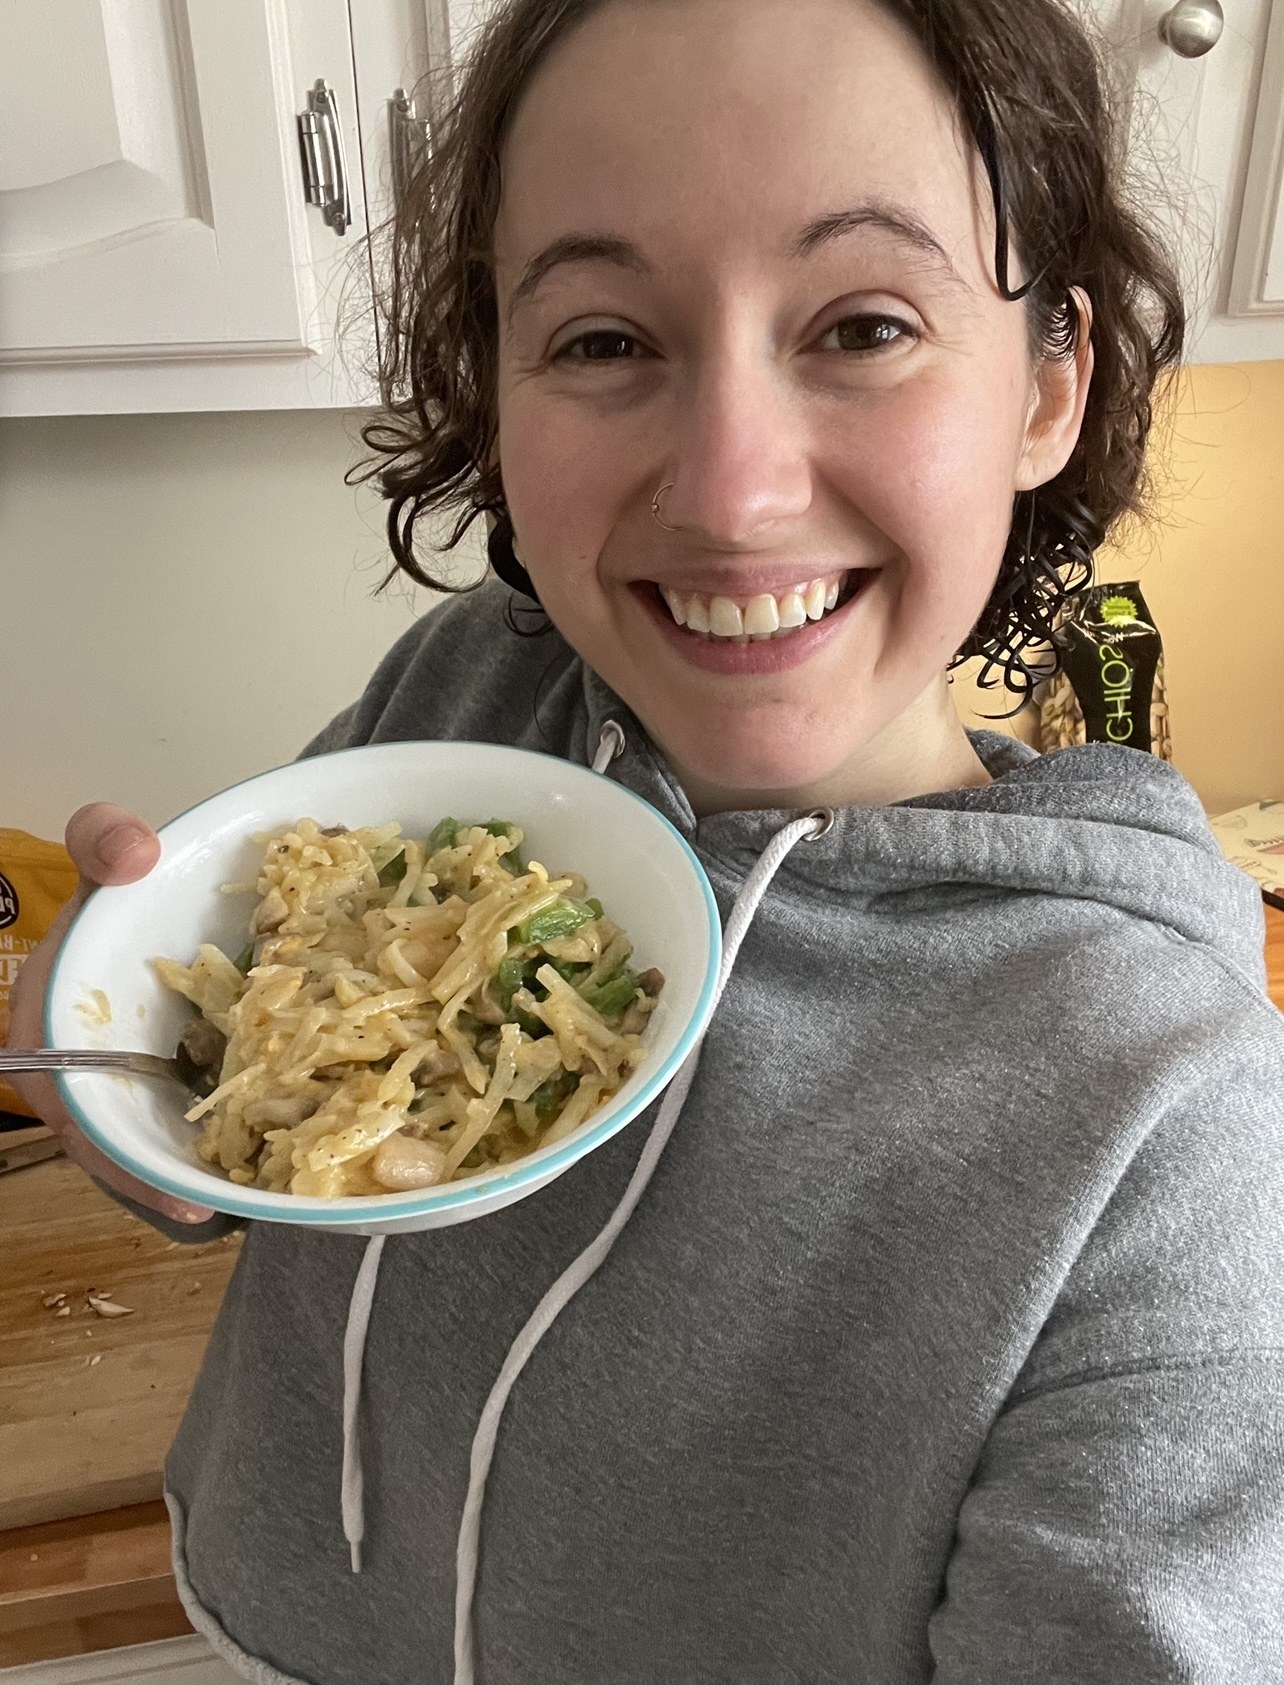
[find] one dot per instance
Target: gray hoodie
(946, 1343)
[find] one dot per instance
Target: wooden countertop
(84, 1564)
(89, 1403)
(88, 1406)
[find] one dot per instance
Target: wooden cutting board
(88, 1404)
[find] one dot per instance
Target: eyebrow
(578, 248)
(898, 221)
(902, 224)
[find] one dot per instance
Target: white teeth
(762, 617)
(793, 611)
(698, 616)
(725, 618)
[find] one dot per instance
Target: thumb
(111, 845)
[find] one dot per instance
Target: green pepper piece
(445, 834)
(614, 995)
(514, 973)
(562, 917)
(595, 907)
(392, 871)
(550, 1096)
(244, 961)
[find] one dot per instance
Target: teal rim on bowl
(210, 1187)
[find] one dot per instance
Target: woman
(797, 346)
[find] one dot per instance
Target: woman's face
(743, 253)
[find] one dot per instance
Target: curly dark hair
(1030, 89)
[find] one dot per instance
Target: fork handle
(85, 1059)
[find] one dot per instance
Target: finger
(110, 845)
(41, 1094)
(83, 1152)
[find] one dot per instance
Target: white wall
(184, 600)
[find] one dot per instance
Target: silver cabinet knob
(1193, 27)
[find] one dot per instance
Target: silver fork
(93, 1059)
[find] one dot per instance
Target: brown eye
(868, 333)
(603, 346)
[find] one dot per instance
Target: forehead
(729, 123)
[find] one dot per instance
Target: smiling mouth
(766, 618)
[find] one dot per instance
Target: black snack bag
(1112, 656)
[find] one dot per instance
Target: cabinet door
(156, 247)
(401, 51)
(399, 48)
(1192, 140)
(1257, 281)
(466, 18)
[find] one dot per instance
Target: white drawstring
(609, 745)
(352, 1480)
(569, 1283)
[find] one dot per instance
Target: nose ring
(655, 508)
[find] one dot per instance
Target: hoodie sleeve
(1125, 1525)
(460, 672)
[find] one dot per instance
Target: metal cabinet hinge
(409, 140)
(325, 170)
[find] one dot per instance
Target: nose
(739, 466)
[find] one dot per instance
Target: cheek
(934, 472)
(566, 483)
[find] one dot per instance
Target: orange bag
(36, 879)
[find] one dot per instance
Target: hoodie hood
(1096, 822)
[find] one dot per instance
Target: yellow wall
(1212, 570)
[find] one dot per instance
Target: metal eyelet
(824, 819)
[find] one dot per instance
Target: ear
(1057, 402)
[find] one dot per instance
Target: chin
(748, 754)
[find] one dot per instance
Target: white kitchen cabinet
(157, 248)
(1256, 289)
(1207, 137)
(466, 18)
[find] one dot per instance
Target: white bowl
(575, 820)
